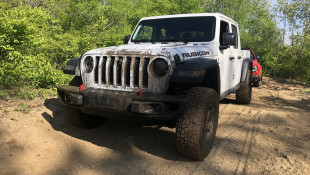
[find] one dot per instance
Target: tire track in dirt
(247, 147)
(226, 123)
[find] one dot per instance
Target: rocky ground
(269, 136)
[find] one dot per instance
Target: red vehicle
(257, 70)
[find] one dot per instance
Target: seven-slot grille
(121, 71)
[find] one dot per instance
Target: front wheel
(196, 128)
(244, 93)
(81, 120)
(76, 117)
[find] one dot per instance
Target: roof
(189, 15)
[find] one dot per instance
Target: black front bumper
(256, 78)
(100, 102)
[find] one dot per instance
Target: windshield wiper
(143, 41)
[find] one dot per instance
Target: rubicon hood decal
(195, 54)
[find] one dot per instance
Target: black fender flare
(73, 67)
(193, 70)
(246, 65)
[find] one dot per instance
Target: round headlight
(89, 64)
(160, 67)
(254, 69)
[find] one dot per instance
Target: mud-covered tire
(196, 128)
(76, 117)
(81, 120)
(244, 93)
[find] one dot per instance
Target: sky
(281, 25)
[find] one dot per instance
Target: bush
(33, 48)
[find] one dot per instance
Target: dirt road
(269, 136)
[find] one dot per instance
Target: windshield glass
(185, 29)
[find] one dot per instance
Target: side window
(163, 33)
(234, 30)
(224, 28)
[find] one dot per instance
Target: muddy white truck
(173, 69)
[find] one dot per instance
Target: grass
(307, 90)
(25, 93)
(44, 93)
(23, 108)
(40, 121)
(6, 110)
(4, 95)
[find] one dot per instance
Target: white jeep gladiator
(173, 69)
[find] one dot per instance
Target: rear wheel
(244, 93)
(76, 117)
(196, 128)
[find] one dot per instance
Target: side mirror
(258, 57)
(229, 39)
(126, 39)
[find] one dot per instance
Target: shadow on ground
(119, 135)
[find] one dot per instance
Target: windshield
(184, 29)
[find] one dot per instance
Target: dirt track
(269, 136)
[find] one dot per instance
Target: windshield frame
(180, 31)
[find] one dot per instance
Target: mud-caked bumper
(101, 101)
(256, 78)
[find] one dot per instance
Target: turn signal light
(82, 87)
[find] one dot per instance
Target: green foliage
(23, 107)
(293, 51)
(4, 95)
(31, 53)
(307, 90)
(6, 110)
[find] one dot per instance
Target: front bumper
(100, 101)
(256, 78)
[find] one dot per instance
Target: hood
(169, 50)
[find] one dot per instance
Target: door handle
(239, 57)
(231, 58)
